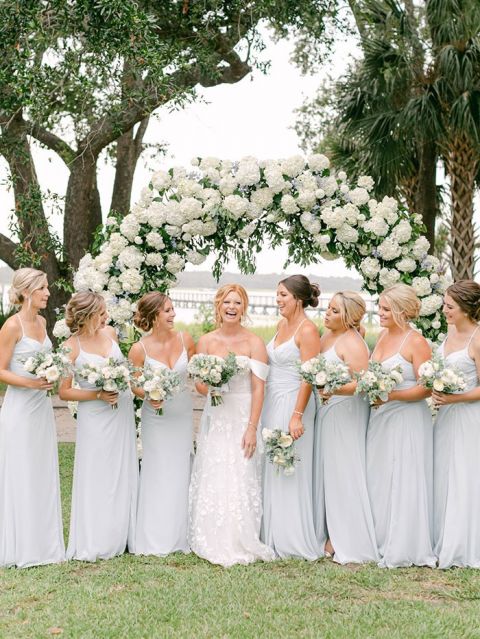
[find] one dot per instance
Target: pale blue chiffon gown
(400, 475)
(105, 473)
(167, 442)
(342, 507)
(288, 520)
(31, 531)
(456, 473)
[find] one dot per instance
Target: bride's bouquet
(215, 372)
(159, 384)
(280, 450)
(112, 376)
(325, 374)
(377, 382)
(434, 374)
(51, 366)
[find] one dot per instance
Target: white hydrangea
(352, 213)
(310, 223)
(103, 261)
(358, 196)
(293, 166)
(209, 162)
(131, 280)
(318, 162)
(172, 230)
(274, 179)
(322, 240)
(116, 243)
(366, 182)
(120, 311)
(246, 231)
(306, 182)
(388, 277)
(189, 188)
(431, 263)
(306, 199)
(328, 185)
(161, 180)
(421, 286)
(235, 205)
(288, 204)
(61, 330)
(175, 216)
(341, 175)
(155, 240)
(406, 265)
(190, 209)
(156, 215)
(347, 234)
(114, 286)
(130, 227)
(389, 249)
(370, 267)
(154, 259)
(420, 248)
(430, 304)
(209, 227)
(376, 225)
(227, 185)
(146, 197)
(402, 232)
(174, 263)
(90, 279)
(131, 257)
(262, 197)
(195, 258)
(333, 218)
(248, 172)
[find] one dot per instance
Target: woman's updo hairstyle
(148, 308)
(302, 289)
(352, 308)
(222, 294)
(466, 293)
(25, 282)
(404, 303)
(81, 308)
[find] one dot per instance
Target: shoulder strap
(79, 345)
(21, 325)
(181, 338)
(361, 339)
(471, 337)
(296, 330)
(143, 346)
(405, 339)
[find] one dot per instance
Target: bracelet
(252, 424)
(297, 412)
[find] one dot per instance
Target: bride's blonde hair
(221, 295)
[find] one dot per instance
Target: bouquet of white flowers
(159, 384)
(215, 372)
(112, 376)
(51, 366)
(324, 374)
(280, 450)
(434, 374)
(377, 382)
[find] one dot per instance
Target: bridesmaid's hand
(442, 399)
(156, 404)
(295, 427)
(249, 441)
(40, 383)
(109, 396)
(324, 396)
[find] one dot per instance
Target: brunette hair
(466, 294)
(81, 308)
(352, 308)
(25, 280)
(302, 289)
(222, 293)
(148, 308)
(404, 303)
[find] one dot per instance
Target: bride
(225, 503)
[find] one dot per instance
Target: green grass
(183, 596)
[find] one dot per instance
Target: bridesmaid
(288, 521)
(162, 514)
(400, 441)
(344, 519)
(457, 435)
(31, 531)
(105, 471)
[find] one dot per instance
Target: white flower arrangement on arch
(234, 208)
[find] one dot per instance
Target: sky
(253, 117)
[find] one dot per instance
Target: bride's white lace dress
(225, 502)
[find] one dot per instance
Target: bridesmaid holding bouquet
(31, 531)
(105, 473)
(457, 435)
(167, 439)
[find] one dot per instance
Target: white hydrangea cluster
(300, 200)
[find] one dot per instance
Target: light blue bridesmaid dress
(105, 473)
(456, 472)
(288, 521)
(342, 507)
(400, 475)
(31, 531)
(167, 441)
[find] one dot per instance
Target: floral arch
(234, 208)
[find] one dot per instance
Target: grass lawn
(183, 596)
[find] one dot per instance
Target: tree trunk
(83, 212)
(426, 196)
(129, 149)
(462, 165)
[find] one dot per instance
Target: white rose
(366, 182)
(61, 330)
(438, 385)
(321, 378)
(52, 374)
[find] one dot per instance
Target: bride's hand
(295, 427)
(249, 441)
(156, 404)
